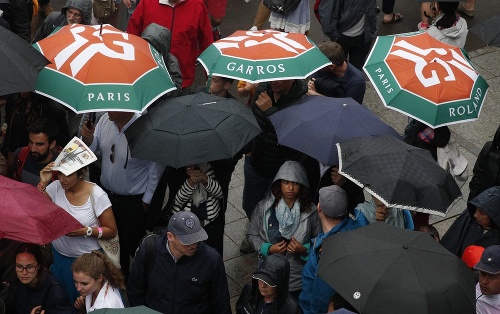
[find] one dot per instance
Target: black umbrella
(135, 310)
(192, 129)
(19, 64)
(398, 174)
(488, 31)
(384, 269)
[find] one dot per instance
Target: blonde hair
(95, 264)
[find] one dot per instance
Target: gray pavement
(470, 136)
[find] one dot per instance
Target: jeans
(356, 49)
(255, 188)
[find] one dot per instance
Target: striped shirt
(183, 197)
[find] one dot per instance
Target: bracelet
(89, 232)
(99, 235)
(41, 187)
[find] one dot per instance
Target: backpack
(149, 242)
(103, 9)
(21, 160)
(282, 6)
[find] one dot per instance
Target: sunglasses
(112, 156)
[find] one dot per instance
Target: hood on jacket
(496, 139)
(489, 203)
(455, 35)
(85, 6)
(292, 171)
(159, 37)
(277, 267)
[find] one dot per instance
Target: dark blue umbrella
(316, 123)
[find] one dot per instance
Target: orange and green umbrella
(259, 56)
(426, 79)
(101, 69)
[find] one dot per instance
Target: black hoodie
(486, 171)
(277, 267)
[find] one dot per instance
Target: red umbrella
(29, 216)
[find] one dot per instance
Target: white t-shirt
(487, 304)
(108, 298)
(85, 214)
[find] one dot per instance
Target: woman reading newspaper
(85, 201)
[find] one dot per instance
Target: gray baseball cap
(490, 260)
(187, 228)
(333, 201)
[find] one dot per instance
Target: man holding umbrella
(129, 182)
(332, 211)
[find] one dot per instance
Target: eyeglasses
(28, 268)
(76, 15)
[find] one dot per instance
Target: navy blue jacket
(195, 284)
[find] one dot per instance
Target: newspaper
(74, 156)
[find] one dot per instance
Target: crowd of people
(291, 204)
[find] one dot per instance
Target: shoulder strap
(19, 162)
(150, 246)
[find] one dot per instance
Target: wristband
(99, 235)
(40, 187)
(89, 232)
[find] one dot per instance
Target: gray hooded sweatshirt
(58, 19)
(159, 37)
(455, 35)
(309, 223)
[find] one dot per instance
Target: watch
(89, 232)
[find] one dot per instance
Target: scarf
(288, 219)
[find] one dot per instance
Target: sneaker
(245, 246)
(422, 26)
(254, 28)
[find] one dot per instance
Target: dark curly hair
(303, 197)
(450, 16)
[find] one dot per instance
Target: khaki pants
(263, 14)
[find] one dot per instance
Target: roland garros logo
(269, 44)
(434, 69)
(82, 56)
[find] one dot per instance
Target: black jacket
(17, 13)
(48, 293)
(466, 231)
(267, 155)
(486, 171)
(277, 267)
(195, 284)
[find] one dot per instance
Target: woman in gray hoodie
(285, 221)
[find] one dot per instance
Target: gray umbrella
(488, 31)
(20, 64)
(398, 174)
(192, 129)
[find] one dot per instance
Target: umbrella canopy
(104, 69)
(192, 129)
(19, 64)
(383, 269)
(135, 310)
(488, 31)
(29, 216)
(316, 123)
(260, 56)
(426, 79)
(398, 174)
